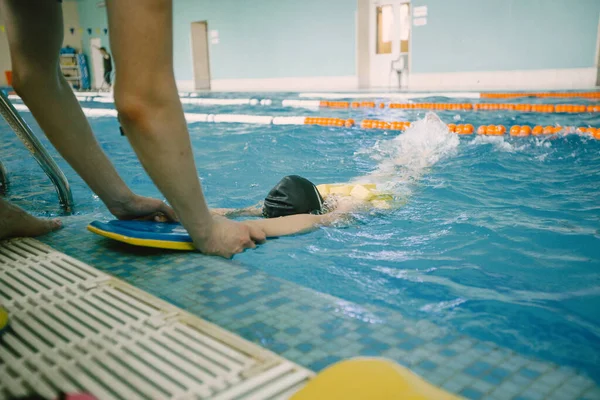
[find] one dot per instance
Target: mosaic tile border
(316, 330)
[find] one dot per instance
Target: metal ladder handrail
(38, 151)
(3, 179)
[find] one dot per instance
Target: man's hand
(227, 238)
(143, 208)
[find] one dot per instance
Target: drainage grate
(76, 329)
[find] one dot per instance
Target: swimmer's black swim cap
(292, 195)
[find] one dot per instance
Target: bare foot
(14, 222)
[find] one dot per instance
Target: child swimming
(295, 205)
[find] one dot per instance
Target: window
(404, 27)
(385, 22)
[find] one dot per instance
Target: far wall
(272, 40)
(258, 39)
(502, 35)
(266, 39)
(93, 21)
(71, 20)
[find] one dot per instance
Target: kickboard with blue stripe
(3, 320)
(161, 235)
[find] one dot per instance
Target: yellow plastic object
(3, 319)
(323, 189)
(370, 186)
(158, 244)
(343, 190)
(372, 379)
(381, 204)
(362, 193)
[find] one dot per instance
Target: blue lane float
(161, 235)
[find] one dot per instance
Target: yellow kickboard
(370, 379)
(3, 319)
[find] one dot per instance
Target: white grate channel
(76, 329)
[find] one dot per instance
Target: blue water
(497, 237)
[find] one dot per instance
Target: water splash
(405, 158)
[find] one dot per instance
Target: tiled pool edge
(314, 329)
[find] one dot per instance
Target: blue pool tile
(477, 368)
(324, 362)
(279, 347)
(366, 340)
(232, 291)
(378, 345)
(248, 274)
(484, 347)
(263, 328)
(402, 335)
(278, 302)
(369, 352)
(411, 343)
(244, 314)
(492, 380)
(500, 373)
(448, 353)
(237, 301)
(210, 294)
(173, 301)
(471, 393)
(294, 330)
(445, 339)
(364, 330)
(304, 347)
(330, 325)
(332, 335)
(529, 373)
(427, 365)
(218, 307)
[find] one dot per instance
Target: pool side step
(73, 328)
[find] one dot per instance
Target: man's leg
(35, 35)
(16, 222)
(141, 38)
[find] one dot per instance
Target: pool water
(496, 237)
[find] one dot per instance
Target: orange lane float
(589, 95)
(465, 129)
(491, 130)
(328, 121)
(460, 129)
(538, 108)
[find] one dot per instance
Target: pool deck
(75, 329)
(315, 330)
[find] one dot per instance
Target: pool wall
(271, 44)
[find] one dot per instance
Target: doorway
(97, 63)
(389, 44)
(598, 55)
(200, 55)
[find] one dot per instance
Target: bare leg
(15, 222)
(35, 34)
(141, 34)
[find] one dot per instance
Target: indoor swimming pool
(491, 243)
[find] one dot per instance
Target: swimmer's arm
(293, 224)
(252, 211)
